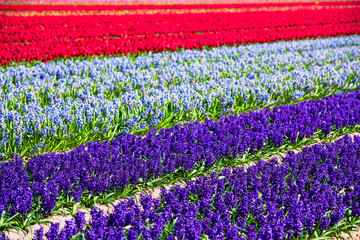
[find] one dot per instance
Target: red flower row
(67, 28)
(48, 38)
(40, 8)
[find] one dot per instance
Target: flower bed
(118, 111)
(307, 192)
(218, 5)
(59, 103)
(105, 166)
(50, 37)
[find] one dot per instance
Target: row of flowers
(38, 29)
(67, 103)
(219, 5)
(101, 167)
(72, 100)
(50, 37)
(307, 192)
(149, 2)
(167, 11)
(35, 29)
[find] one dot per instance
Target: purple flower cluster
(103, 166)
(308, 191)
(71, 228)
(113, 165)
(15, 193)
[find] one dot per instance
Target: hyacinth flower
(110, 167)
(75, 36)
(57, 105)
(16, 194)
(104, 167)
(302, 194)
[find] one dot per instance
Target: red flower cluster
(49, 37)
(40, 8)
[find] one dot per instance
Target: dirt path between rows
(355, 235)
(156, 193)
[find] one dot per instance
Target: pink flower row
(153, 1)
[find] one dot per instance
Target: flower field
(70, 36)
(181, 120)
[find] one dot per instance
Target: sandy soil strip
(355, 235)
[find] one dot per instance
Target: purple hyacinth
(15, 193)
(53, 232)
(269, 200)
(39, 234)
(101, 166)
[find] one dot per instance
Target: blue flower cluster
(103, 166)
(308, 191)
(59, 100)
